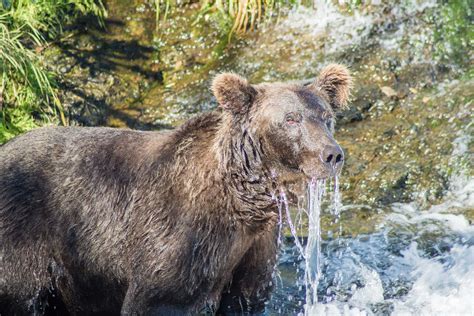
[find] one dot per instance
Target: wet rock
(64, 69)
(388, 91)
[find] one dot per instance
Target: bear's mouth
(289, 176)
(318, 171)
(312, 170)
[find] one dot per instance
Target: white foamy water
(340, 29)
(325, 20)
(441, 288)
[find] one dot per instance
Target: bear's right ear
(233, 93)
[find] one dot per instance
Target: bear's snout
(323, 163)
(333, 157)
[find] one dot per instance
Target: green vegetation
(27, 88)
(454, 33)
(244, 14)
(235, 16)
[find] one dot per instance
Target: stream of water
(316, 190)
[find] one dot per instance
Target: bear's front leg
(140, 300)
(252, 279)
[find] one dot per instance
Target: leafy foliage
(27, 88)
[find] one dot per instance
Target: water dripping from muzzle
(311, 251)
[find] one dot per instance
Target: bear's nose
(333, 156)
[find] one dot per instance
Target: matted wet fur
(109, 221)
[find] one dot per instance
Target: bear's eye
(292, 118)
(327, 116)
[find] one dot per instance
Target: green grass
(25, 86)
(245, 14)
(28, 93)
(236, 16)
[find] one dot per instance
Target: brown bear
(113, 221)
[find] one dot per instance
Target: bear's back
(42, 168)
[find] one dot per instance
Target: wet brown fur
(120, 221)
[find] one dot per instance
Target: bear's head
(287, 127)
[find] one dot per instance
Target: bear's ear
(233, 93)
(335, 83)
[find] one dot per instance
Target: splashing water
(337, 204)
(417, 261)
(325, 19)
(336, 210)
(311, 253)
(294, 232)
(316, 190)
(280, 218)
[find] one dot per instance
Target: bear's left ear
(335, 83)
(233, 93)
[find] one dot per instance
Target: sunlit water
(313, 247)
(310, 253)
(418, 261)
